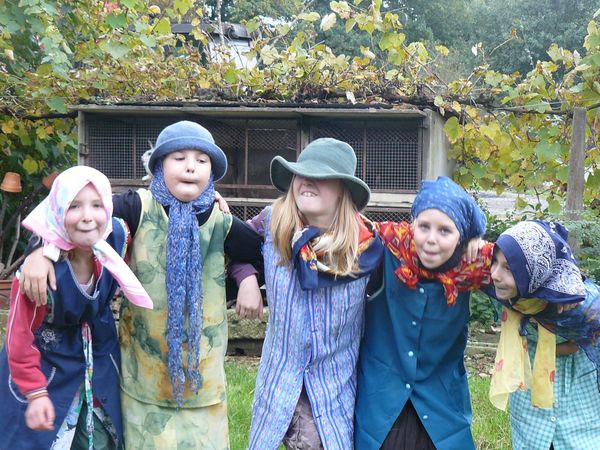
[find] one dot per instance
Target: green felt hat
(323, 159)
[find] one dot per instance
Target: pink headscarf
(47, 220)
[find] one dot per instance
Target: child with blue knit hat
(172, 371)
(412, 385)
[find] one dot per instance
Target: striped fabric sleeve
(24, 318)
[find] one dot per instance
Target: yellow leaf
(309, 17)
(520, 203)
(30, 165)
(453, 129)
(350, 97)
(442, 50)
(367, 52)
(8, 126)
(328, 21)
(491, 131)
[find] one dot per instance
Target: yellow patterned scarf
(512, 367)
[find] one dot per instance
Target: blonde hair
(341, 239)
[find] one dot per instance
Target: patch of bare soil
(481, 350)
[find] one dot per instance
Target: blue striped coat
(312, 338)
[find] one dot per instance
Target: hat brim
(217, 157)
(283, 171)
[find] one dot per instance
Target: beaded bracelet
(38, 394)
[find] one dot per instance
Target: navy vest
(62, 361)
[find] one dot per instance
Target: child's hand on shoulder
(40, 414)
(564, 307)
(249, 303)
(223, 206)
(37, 274)
(474, 246)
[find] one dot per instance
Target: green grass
(491, 429)
(490, 426)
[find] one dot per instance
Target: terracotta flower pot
(5, 293)
(11, 182)
(49, 179)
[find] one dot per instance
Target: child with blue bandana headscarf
(172, 371)
(551, 319)
(412, 386)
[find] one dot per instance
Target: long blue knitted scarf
(184, 280)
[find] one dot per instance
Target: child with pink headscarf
(59, 369)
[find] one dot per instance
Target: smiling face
(85, 218)
(436, 237)
(317, 200)
(504, 281)
(186, 174)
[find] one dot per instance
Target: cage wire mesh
(388, 154)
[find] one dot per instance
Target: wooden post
(575, 183)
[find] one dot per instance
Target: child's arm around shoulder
(37, 273)
(249, 300)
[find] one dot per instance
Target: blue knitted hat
(186, 135)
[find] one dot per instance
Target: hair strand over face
(341, 255)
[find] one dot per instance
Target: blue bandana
(183, 279)
(542, 262)
(448, 197)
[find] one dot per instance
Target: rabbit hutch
(395, 148)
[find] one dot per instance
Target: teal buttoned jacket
(413, 348)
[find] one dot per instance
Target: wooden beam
(574, 204)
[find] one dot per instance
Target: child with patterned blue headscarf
(412, 386)
(551, 318)
(172, 371)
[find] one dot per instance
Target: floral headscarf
(47, 220)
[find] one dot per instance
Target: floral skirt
(148, 427)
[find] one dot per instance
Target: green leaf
(252, 25)
(554, 206)
(163, 26)
(183, 6)
(350, 24)
(562, 173)
(520, 203)
(546, 151)
(130, 3)
(116, 20)
(309, 17)
(231, 76)
(57, 104)
(453, 129)
(115, 49)
(478, 171)
(391, 40)
(44, 69)
(149, 41)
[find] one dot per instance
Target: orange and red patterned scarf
(398, 238)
